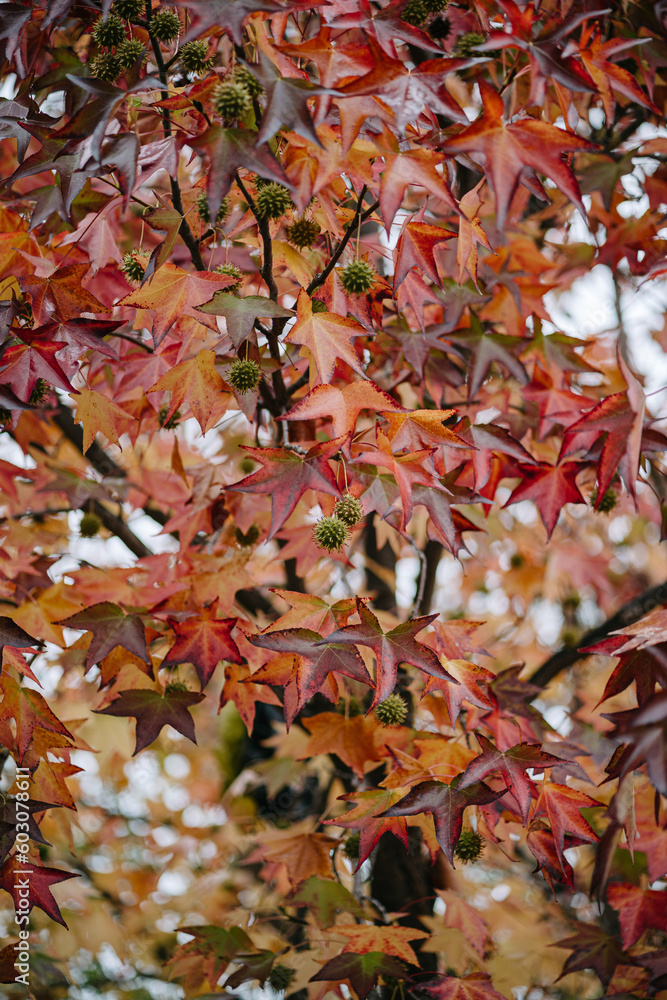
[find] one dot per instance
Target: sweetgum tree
(334, 649)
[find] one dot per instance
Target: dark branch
(119, 528)
(358, 219)
(631, 612)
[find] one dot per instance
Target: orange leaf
(198, 382)
(363, 938)
(100, 414)
(326, 337)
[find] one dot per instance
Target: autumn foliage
(333, 604)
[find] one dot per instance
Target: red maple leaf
(446, 803)
(512, 764)
(286, 475)
(391, 648)
(111, 627)
(512, 152)
(203, 640)
(16, 878)
(550, 487)
(638, 909)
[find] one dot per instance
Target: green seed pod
(39, 391)
(132, 267)
(330, 533)
(608, 502)
(465, 45)
(247, 465)
(109, 33)
(351, 846)
(349, 510)
(280, 978)
(203, 212)
(319, 306)
(170, 424)
(470, 846)
(415, 12)
(106, 67)
(165, 25)
(435, 6)
(193, 57)
(5, 415)
(248, 79)
(130, 10)
(129, 52)
(392, 711)
(231, 100)
(358, 277)
(303, 233)
(89, 525)
(244, 375)
(173, 686)
(273, 200)
(234, 272)
(247, 538)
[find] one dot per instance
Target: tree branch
(631, 612)
(357, 220)
(184, 231)
(120, 529)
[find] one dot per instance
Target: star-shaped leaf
(240, 314)
(562, 805)
(173, 292)
(227, 149)
(315, 664)
(110, 627)
(550, 487)
(343, 405)
(446, 804)
(203, 640)
(474, 986)
(510, 151)
(592, 948)
(196, 381)
(153, 710)
(360, 971)
(286, 475)
(14, 877)
(638, 909)
(391, 648)
(326, 338)
(512, 764)
(324, 899)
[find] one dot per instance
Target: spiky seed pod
(319, 306)
(303, 233)
(5, 415)
(246, 538)
(109, 33)
(439, 28)
(193, 57)
(349, 510)
(273, 200)
(173, 686)
(165, 25)
(415, 12)
(392, 711)
(608, 502)
(358, 277)
(132, 267)
(129, 52)
(435, 6)
(280, 978)
(39, 391)
(244, 375)
(517, 560)
(234, 272)
(203, 212)
(330, 533)
(231, 100)
(106, 67)
(130, 10)
(244, 76)
(465, 45)
(469, 847)
(170, 424)
(351, 846)
(89, 525)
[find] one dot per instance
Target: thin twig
(357, 221)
